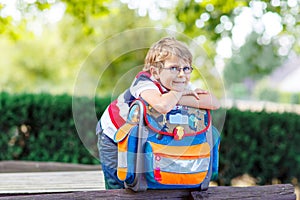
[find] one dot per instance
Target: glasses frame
(178, 69)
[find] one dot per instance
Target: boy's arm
(206, 100)
(163, 103)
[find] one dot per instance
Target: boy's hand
(190, 93)
(200, 91)
(194, 93)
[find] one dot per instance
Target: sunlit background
(252, 45)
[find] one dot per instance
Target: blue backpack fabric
(179, 149)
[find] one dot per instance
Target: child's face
(173, 79)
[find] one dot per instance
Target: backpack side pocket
(126, 139)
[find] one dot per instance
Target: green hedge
(41, 127)
(264, 145)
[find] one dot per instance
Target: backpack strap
(113, 109)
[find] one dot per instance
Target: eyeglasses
(176, 69)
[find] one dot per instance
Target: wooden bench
(17, 177)
(51, 182)
(86, 182)
(269, 192)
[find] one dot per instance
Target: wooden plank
(271, 192)
(267, 192)
(33, 166)
(109, 194)
(45, 182)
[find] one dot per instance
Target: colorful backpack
(179, 149)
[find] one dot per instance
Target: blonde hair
(163, 49)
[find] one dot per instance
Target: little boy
(163, 83)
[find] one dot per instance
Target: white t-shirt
(111, 122)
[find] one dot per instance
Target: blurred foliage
(28, 134)
(48, 56)
(189, 11)
(265, 93)
(51, 61)
(81, 11)
(84, 9)
(250, 63)
(260, 54)
(264, 145)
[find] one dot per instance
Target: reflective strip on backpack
(122, 159)
(177, 165)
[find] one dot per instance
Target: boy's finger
(200, 91)
(196, 95)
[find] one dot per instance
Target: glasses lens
(173, 69)
(187, 69)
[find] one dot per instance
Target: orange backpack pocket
(177, 165)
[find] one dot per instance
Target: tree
(216, 19)
(204, 22)
(16, 14)
(265, 48)
(50, 62)
(247, 63)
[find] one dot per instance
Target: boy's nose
(181, 73)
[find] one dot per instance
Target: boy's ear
(154, 72)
